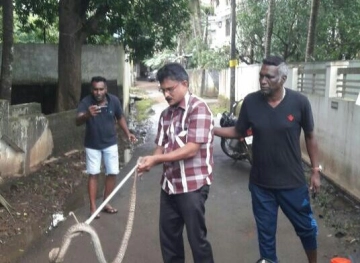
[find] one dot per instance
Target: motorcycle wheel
(236, 155)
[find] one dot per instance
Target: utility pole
(233, 59)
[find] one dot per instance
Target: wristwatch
(318, 169)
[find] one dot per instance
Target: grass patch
(224, 102)
(143, 108)
(138, 91)
(220, 106)
(216, 108)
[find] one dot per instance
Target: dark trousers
(295, 204)
(184, 209)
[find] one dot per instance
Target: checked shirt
(190, 121)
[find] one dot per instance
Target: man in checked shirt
(184, 145)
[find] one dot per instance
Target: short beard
(98, 99)
(266, 92)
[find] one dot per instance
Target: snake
(57, 254)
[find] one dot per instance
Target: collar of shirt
(183, 103)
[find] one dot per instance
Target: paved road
(231, 227)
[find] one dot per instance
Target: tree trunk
(7, 50)
(198, 16)
(269, 27)
(203, 72)
(71, 39)
(310, 43)
(252, 54)
(196, 11)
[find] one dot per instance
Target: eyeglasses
(169, 90)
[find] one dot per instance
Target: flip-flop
(110, 210)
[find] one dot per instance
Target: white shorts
(109, 155)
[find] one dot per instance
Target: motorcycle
(237, 149)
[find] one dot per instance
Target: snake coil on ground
(57, 254)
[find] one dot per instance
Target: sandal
(110, 210)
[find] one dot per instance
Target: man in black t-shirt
(100, 111)
(276, 116)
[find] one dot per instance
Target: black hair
(273, 60)
(173, 71)
(98, 79)
(278, 62)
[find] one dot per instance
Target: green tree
(290, 24)
(250, 30)
(289, 27)
(35, 30)
(142, 26)
(337, 34)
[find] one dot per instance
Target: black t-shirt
(100, 131)
(276, 143)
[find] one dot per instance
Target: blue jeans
(295, 204)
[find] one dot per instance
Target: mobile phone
(103, 108)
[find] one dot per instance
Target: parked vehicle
(152, 75)
(237, 149)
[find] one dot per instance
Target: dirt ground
(34, 200)
(38, 196)
(340, 212)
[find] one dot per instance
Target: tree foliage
(192, 48)
(251, 23)
(206, 58)
(143, 26)
(35, 30)
(159, 59)
(337, 35)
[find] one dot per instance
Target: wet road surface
(231, 227)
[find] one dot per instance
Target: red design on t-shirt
(290, 117)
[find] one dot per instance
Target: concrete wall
(11, 160)
(66, 135)
(211, 82)
(11, 157)
(26, 136)
(337, 120)
(33, 137)
(25, 140)
(246, 81)
(38, 64)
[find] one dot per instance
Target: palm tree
(269, 27)
(196, 17)
(310, 43)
